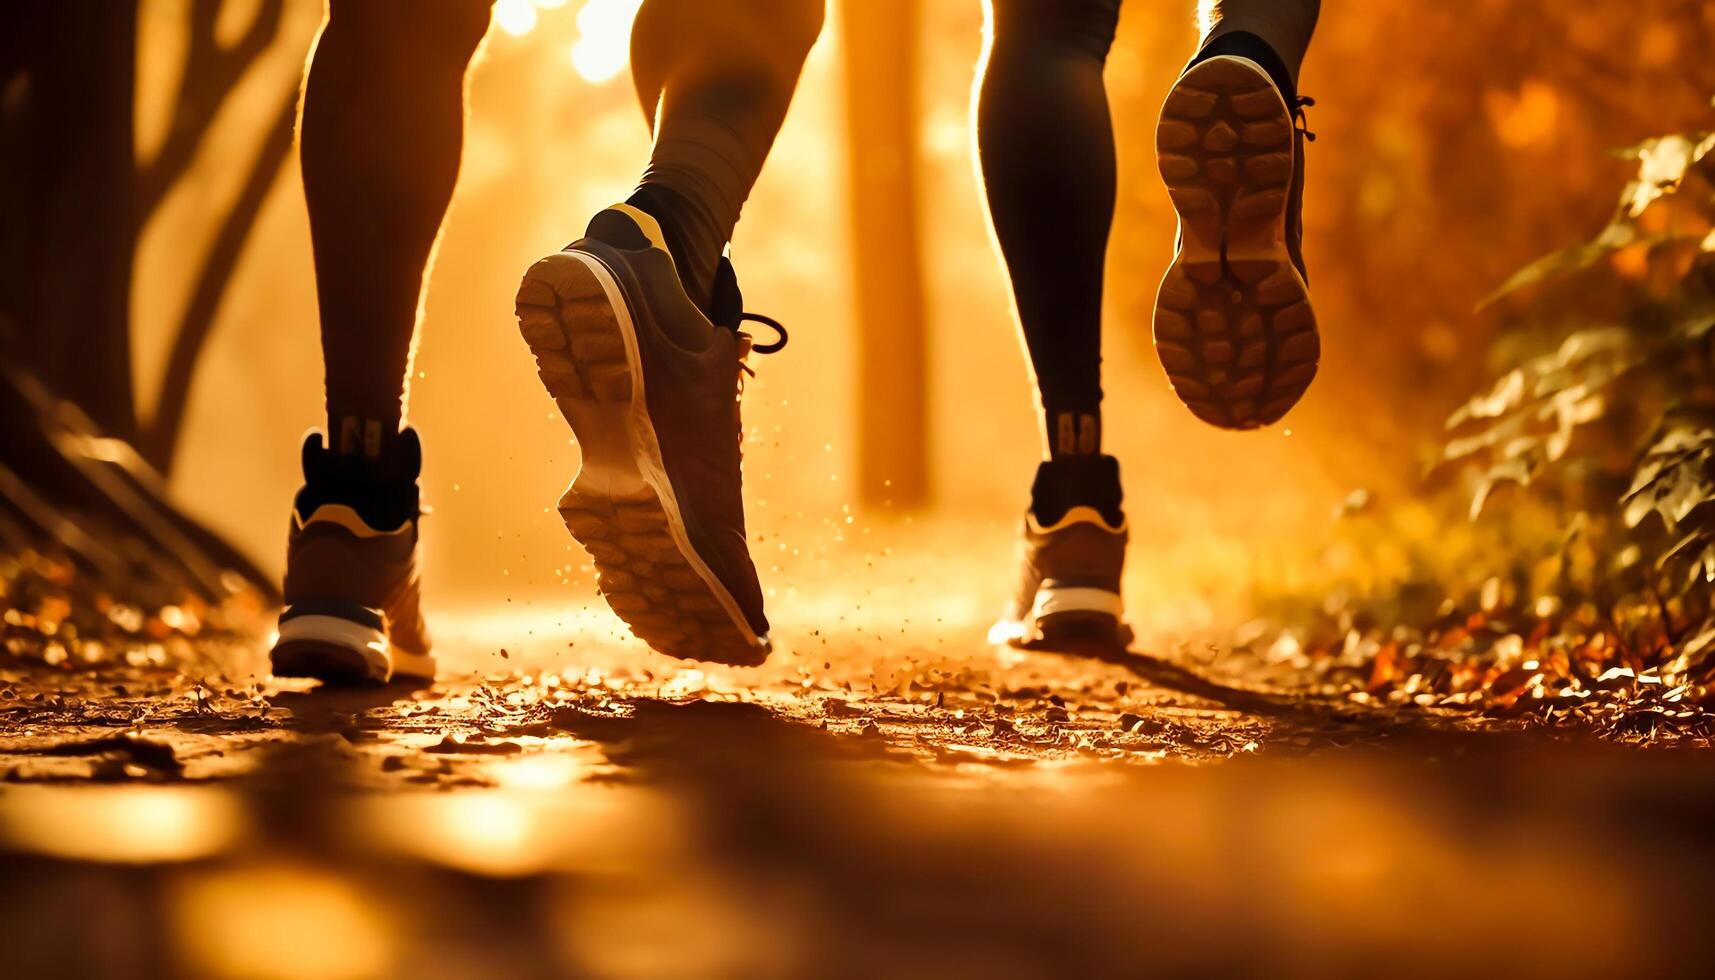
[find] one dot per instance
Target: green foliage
(1664, 163)
(1605, 404)
(1675, 482)
(1582, 594)
(1627, 318)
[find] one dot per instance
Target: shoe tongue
(1077, 481)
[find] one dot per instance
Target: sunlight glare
(493, 834)
(541, 772)
(121, 824)
(515, 17)
(280, 920)
(604, 38)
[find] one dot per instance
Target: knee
(442, 29)
(1083, 26)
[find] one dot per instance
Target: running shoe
(353, 594)
(1073, 552)
(650, 383)
(1233, 323)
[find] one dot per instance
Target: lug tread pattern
(1235, 334)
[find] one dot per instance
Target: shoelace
(772, 324)
(747, 344)
(1300, 121)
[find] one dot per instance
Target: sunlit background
(888, 795)
(1404, 230)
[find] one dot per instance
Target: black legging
(1047, 149)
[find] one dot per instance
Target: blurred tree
(78, 467)
(881, 113)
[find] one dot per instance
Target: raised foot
(1233, 322)
(644, 563)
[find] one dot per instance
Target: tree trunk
(70, 481)
(881, 112)
(67, 160)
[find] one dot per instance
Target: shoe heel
(331, 649)
(573, 330)
(1081, 629)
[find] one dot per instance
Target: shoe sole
(1074, 630)
(1233, 324)
(339, 651)
(621, 507)
(1064, 631)
(1063, 619)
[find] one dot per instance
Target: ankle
(672, 211)
(381, 487)
(1077, 481)
(362, 434)
(1074, 432)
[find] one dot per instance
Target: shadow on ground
(912, 813)
(724, 838)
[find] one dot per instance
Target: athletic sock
(381, 487)
(693, 237)
(1244, 44)
(1077, 481)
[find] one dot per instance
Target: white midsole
(382, 660)
(420, 665)
(1016, 632)
(651, 467)
(367, 642)
(1050, 601)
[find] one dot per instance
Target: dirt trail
(876, 800)
(916, 699)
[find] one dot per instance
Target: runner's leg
(715, 78)
(382, 128)
(637, 330)
(1284, 25)
(1046, 146)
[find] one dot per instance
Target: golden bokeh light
(603, 43)
(604, 38)
(515, 17)
(280, 921)
(121, 824)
